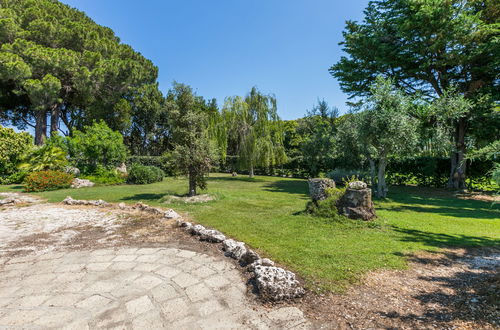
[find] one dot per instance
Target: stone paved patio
(129, 288)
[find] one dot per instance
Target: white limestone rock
(81, 183)
(171, 214)
(275, 283)
(234, 249)
(212, 235)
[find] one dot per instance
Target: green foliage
(97, 145)
(193, 152)
(163, 162)
(340, 175)
(47, 180)
(13, 147)
(255, 131)
(103, 176)
(140, 174)
(54, 60)
(46, 157)
(15, 178)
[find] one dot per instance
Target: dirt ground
(450, 289)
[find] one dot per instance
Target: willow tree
(256, 130)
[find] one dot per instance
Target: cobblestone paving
(132, 288)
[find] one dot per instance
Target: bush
(327, 208)
(13, 146)
(140, 174)
(339, 175)
(47, 180)
(105, 177)
(46, 157)
(98, 145)
(163, 162)
(15, 178)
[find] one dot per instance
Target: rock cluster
(9, 201)
(273, 283)
(72, 170)
(81, 183)
(317, 188)
(70, 201)
(356, 203)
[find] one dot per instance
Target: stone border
(273, 283)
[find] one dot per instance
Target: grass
(267, 213)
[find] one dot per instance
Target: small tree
(385, 127)
(192, 152)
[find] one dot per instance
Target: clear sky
(224, 47)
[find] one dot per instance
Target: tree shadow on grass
(144, 197)
(235, 179)
(461, 290)
(444, 240)
(288, 186)
(412, 199)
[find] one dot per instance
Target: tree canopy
(54, 60)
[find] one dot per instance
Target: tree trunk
(54, 120)
(192, 185)
(40, 127)
(458, 162)
(381, 186)
(251, 171)
(373, 169)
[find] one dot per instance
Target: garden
(420, 140)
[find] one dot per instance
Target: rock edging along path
(272, 283)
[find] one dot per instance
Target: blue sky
(224, 47)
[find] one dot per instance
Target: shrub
(163, 162)
(140, 174)
(97, 145)
(12, 148)
(17, 177)
(47, 157)
(327, 208)
(105, 177)
(47, 180)
(339, 175)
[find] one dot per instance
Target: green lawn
(266, 212)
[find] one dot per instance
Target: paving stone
(20, 317)
(168, 272)
(151, 320)
(184, 280)
(139, 305)
(93, 302)
(175, 309)
(208, 307)
(199, 292)
(147, 267)
(53, 318)
(186, 254)
(125, 257)
(122, 265)
(217, 281)
(29, 301)
(147, 281)
(164, 292)
(202, 272)
(188, 265)
(98, 266)
(148, 258)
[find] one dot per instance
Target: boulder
(9, 201)
(356, 203)
(211, 235)
(260, 262)
(197, 229)
(357, 185)
(234, 174)
(171, 214)
(122, 206)
(146, 208)
(81, 183)
(249, 257)
(70, 201)
(275, 283)
(317, 188)
(234, 249)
